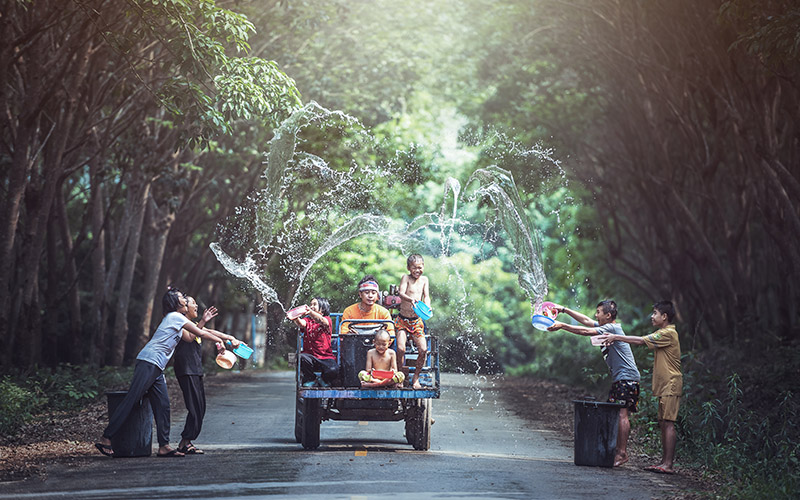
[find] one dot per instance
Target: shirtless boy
(381, 358)
(413, 288)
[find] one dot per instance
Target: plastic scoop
(244, 351)
(296, 312)
(226, 359)
(422, 310)
(541, 322)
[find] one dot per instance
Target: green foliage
(17, 405)
(759, 456)
(66, 387)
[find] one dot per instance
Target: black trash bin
(353, 349)
(135, 437)
(596, 428)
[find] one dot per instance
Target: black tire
(311, 419)
(421, 436)
(410, 424)
(298, 419)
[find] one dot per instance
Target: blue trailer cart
(347, 400)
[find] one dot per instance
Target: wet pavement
(478, 450)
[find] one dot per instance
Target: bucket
(135, 437)
(547, 309)
(244, 351)
(226, 359)
(423, 310)
(596, 429)
(541, 322)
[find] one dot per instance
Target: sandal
(191, 450)
(104, 449)
(171, 454)
(659, 469)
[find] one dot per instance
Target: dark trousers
(194, 396)
(309, 364)
(147, 377)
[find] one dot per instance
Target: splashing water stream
(275, 229)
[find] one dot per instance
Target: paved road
(478, 450)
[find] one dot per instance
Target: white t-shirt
(162, 346)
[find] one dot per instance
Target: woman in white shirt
(148, 374)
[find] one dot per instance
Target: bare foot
(620, 459)
(417, 385)
(660, 469)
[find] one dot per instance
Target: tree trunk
(157, 229)
(120, 331)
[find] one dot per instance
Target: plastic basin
(382, 374)
(423, 310)
(541, 322)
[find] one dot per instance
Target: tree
(83, 81)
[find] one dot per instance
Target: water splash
(298, 240)
(498, 186)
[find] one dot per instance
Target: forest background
(654, 145)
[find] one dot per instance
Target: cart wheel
(298, 419)
(421, 436)
(410, 423)
(311, 419)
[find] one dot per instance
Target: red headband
(368, 285)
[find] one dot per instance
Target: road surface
(478, 450)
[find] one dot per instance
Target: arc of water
(281, 152)
(498, 185)
(246, 270)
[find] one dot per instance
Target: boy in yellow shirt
(667, 377)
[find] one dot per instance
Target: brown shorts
(668, 407)
(625, 391)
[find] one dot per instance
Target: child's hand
(209, 314)
(220, 347)
(607, 339)
(235, 343)
(556, 326)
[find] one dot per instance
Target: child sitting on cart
(381, 367)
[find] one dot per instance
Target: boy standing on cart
(413, 288)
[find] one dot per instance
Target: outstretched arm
(576, 329)
(212, 335)
(577, 316)
(610, 338)
(224, 336)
